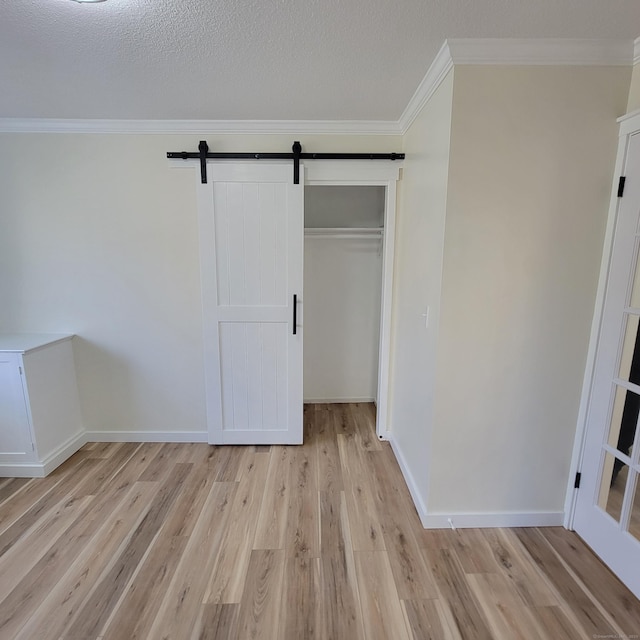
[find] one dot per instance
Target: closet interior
(343, 238)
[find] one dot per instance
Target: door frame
(365, 173)
(340, 173)
(629, 125)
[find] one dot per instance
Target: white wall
(532, 156)
(342, 293)
(339, 206)
(98, 236)
(418, 271)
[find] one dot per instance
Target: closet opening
(343, 278)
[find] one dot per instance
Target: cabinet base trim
(31, 470)
(48, 464)
(64, 451)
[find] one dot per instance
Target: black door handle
(295, 308)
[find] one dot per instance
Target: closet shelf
(344, 232)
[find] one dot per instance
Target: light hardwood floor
(322, 541)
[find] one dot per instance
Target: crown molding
(200, 127)
(542, 51)
(509, 51)
(468, 51)
(437, 72)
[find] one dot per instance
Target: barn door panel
(252, 249)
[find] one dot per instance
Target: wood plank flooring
(187, 541)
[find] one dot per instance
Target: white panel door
(608, 504)
(251, 225)
(15, 432)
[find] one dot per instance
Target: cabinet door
(15, 433)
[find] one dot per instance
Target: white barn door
(251, 235)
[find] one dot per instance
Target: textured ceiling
(257, 59)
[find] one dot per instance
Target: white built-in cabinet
(40, 420)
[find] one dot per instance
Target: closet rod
(203, 154)
(343, 232)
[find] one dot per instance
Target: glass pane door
(607, 514)
(619, 467)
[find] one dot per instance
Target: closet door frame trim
(365, 173)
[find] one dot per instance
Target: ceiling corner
(513, 51)
(437, 72)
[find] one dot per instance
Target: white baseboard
(146, 436)
(493, 520)
(472, 520)
(336, 400)
(408, 478)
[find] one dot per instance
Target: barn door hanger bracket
(297, 150)
(203, 154)
(203, 149)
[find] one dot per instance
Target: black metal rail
(203, 154)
